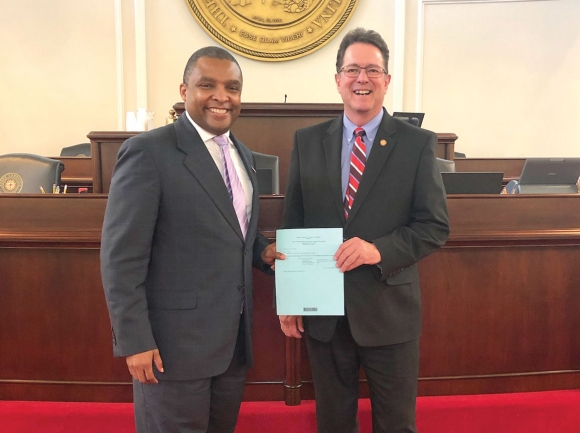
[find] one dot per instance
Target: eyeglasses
(354, 71)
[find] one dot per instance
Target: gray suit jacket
(400, 206)
(174, 263)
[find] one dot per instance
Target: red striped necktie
(358, 160)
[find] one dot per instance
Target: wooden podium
(265, 128)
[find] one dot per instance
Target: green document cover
(308, 283)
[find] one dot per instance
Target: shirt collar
(370, 128)
(205, 136)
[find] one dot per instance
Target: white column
(398, 51)
(119, 65)
(140, 54)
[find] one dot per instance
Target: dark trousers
(392, 373)
(208, 405)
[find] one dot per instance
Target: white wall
(504, 76)
(57, 73)
(500, 74)
(58, 78)
(307, 79)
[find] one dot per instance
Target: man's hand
(291, 326)
(355, 252)
(270, 255)
(141, 365)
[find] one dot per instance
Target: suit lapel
(332, 151)
(202, 166)
(375, 162)
(245, 155)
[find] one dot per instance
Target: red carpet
(542, 412)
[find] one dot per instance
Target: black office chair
(80, 150)
(445, 165)
(415, 119)
(412, 120)
(26, 173)
(268, 171)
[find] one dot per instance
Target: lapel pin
(383, 142)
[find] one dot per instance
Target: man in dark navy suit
(393, 210)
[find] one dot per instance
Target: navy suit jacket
(176, 268)
(400, 206)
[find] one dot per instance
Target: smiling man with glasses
(376, 177)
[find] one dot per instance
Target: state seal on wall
(272, 30)
(11, 182)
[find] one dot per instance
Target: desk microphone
(285, 96)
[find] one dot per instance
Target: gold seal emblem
(272, 30)
(11, 182)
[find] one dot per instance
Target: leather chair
(412, 120)
(25, 173)
(79, 150)
(445, 165)
(268, 171)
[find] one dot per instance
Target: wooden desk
(510, 167)
(78, 173)
(501, 303)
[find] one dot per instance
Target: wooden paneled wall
(500, 301)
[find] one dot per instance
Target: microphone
(285, 96)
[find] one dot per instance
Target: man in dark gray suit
(179, 241)
(377, 178)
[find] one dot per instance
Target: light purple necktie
(233, 183)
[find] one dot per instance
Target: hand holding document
(308, 281)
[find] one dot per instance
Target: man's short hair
(211, 52)
(363, 36)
